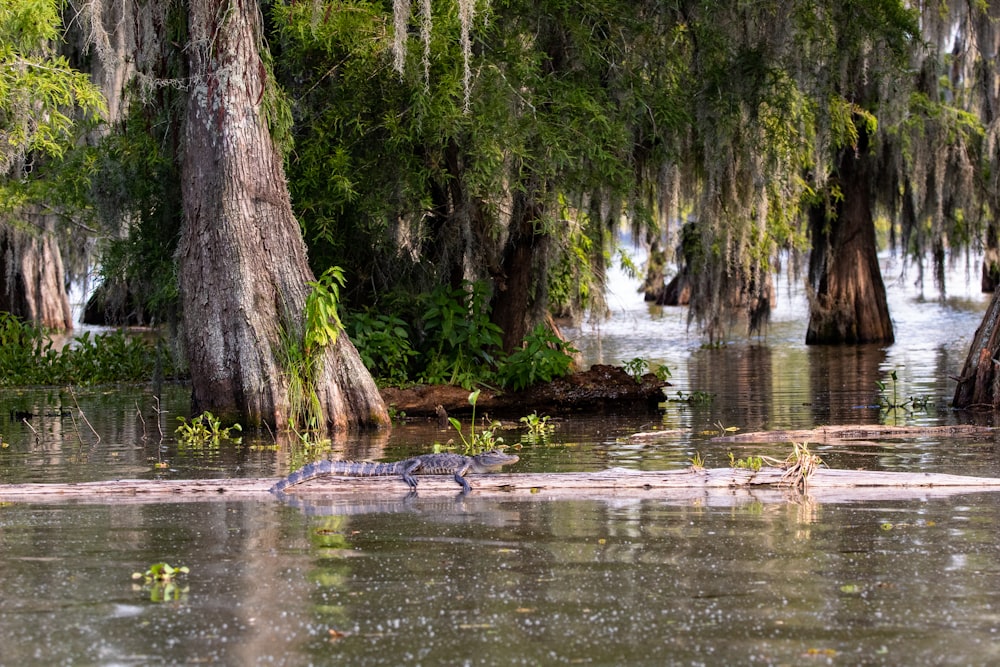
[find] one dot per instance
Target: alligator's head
(495, 459)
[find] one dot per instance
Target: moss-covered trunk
(243, 269)
(848, 300)
(32, 280)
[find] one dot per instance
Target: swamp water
(762, 577)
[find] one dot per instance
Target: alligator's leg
(460, 478)
(410, 467)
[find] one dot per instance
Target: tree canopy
(485, 154)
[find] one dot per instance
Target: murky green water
(722, 578)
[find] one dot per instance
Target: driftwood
(823, 484)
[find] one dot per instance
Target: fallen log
(614, 482)
(601, 389)
(841, 434)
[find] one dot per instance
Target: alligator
(425, 464)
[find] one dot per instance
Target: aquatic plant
(205, 429)
(539, 428)
(160, 579)
(475, 443)
(28, 357)
(889, 402)
(694, 398)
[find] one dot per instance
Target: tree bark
(848, 301)
(520, 288)
(32, 279)
(243, 269)
(977, 386)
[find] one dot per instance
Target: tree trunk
(519, 288)
(32, 280)
(991, 261)
(977, 386)
(243, 268)
(848, 301)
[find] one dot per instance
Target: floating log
(844, 433)
(616, 482)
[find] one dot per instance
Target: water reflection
(697, 578)
(507, 582)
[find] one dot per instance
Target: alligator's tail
(325, 467)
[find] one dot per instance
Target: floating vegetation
(160, 579)
(889, 401)
(693, 398)
(539, 428)
(205, 430)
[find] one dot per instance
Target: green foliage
(303, 346)
(38, 89)
(754, 463)
(538, 429)
(475, 443)
(136, 198)
(542, 358)
(538, 426)
(636, 367)
(455, 343)
(662, 373)
(383, 341)
(28, 357)
(205, 430)
(459, 342)
(322, 323)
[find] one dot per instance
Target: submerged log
(614, 482)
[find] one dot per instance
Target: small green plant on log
(301, 355)
(754, 463)
(205, 429)
(800, 465)
(698, 461)
(160, 579)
